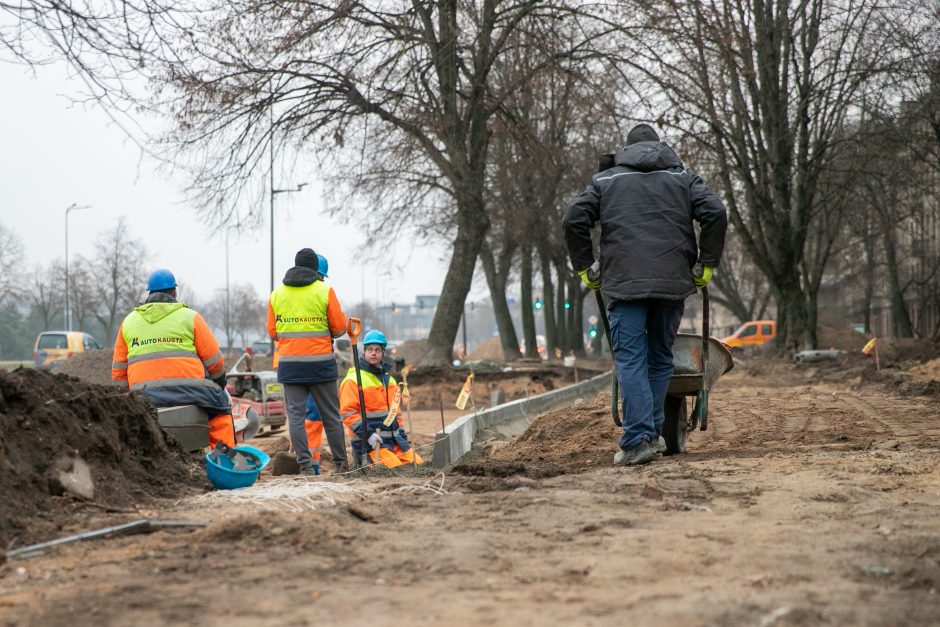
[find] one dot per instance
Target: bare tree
(11, 259)
(765, 85)
(83, 293)
(45, 295)
(421, 73)
(248, 313)
(118, 271)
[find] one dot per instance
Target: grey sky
(56, 153)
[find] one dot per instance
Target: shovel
(353, 329)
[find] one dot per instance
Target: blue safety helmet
(375, 337)
(323, 266)
(161, 280)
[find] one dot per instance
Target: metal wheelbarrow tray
(690, 378)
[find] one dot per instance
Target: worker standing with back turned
(645, 202)
(304, 316)
(166, 351)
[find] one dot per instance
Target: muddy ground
(811, 500)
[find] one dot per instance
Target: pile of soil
(427, 384)
(489, 349)
(839, 337)
(907, 352)
(412, 351)
(929, 371)
(90, 366)
(48, 420)
(566, 440)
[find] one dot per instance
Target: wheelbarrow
(699, 361)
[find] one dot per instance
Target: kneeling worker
(166, 351)
(378, 391)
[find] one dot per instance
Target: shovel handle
(353, 327)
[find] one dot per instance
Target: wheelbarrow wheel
(676, 424)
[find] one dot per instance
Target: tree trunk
(561, 320)
(899, 312)
(577, 317)
(496, 279)
(548, 299)
(528, 316)
(869, 283)
(471, 229)
(792, 317)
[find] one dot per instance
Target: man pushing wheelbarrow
(650, 262)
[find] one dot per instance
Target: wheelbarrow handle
(701, 402)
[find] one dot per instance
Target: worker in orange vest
(166, 351)
(304, 316)
(378, 391)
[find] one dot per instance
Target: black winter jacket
(645, 205)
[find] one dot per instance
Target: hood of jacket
(647, 157)
(299, 276)
(154, 311)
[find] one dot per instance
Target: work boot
(311, 471)
(341, 468)
(639, 454)
(658, 445)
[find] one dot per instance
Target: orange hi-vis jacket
(378, 391)
(304, 316)
(164, 344)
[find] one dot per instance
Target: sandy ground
(805, 503)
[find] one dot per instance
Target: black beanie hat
(642, 133)
(306, 258)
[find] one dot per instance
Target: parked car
(262, 348)
(54, 347)
(752, 333)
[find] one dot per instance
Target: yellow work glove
(701, 275)
(591, 277)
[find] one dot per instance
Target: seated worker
(166, 351)
(378, 390)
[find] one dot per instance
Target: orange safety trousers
(314, 438)
(221, 429)
(393, 458)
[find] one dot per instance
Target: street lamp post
(274, 192)
(228, 305)
(68, 309)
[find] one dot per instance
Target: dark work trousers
(642, 333)
(326, 396)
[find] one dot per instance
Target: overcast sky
(55, 153)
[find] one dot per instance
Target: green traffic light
(537, 304)
(567, 305)
(593, 332)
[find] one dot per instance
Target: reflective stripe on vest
(171, 338)
(374, 392)
(300, 321)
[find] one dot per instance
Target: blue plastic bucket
(223, 476)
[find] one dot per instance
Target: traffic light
(567, 305)
(537, 304)
(592, 333)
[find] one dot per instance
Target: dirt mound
(907, 352)
(90, 366)
(929, 371)
(839, 337)
(490, 349)
(47, 421)
(412, 351)
(563, 441)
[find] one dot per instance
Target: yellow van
(54, 347)
(752, 333)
